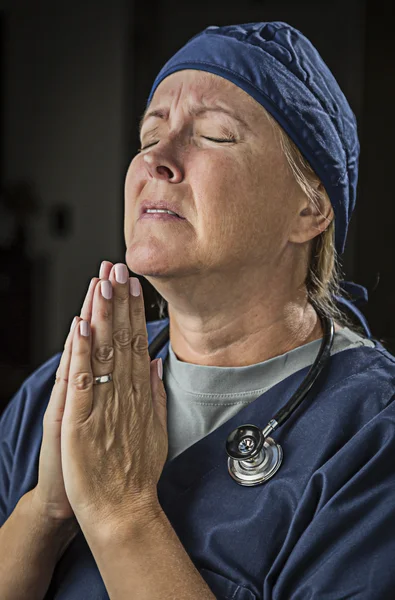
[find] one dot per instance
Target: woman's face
(227, 174)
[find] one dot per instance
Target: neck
(239, 318)
(243, 336)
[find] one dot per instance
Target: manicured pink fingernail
(101, 273)
(84, 328)
(73, 323)
(134, 286)
(160, 368)
(106, 289)
(121, 273)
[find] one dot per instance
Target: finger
(80, 384)
(86, 311)
(105, 269)
(159, 398)
(122, 332)
(101, 323)
(54, 411)
(140, 357)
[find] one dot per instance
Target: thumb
(159, 397)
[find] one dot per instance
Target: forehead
(193, 87)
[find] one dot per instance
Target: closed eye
(147, 146)
(218, 140)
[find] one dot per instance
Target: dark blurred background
(74, 80)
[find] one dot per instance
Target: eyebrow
(196, 111)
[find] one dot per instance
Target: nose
(160, 167)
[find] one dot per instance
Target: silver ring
(102, 379)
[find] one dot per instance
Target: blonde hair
(324, 272)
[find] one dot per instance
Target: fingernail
(73, 323)
(101, 274)
(106, 289)
(134, 286)
(84, 328)
(160, 368)
(121, 273)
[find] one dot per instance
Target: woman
(125, 492)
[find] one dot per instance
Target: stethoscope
(253, 457)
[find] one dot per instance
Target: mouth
(162, 206)
(166, 217)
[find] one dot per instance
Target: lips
(164, 205)
(163, 216)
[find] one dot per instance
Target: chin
(147, 262)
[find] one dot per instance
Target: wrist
(63, 530)
(136, 517)
(45, 519)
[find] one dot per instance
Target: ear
(311, 220)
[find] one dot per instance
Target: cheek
(241, 197)
(219, 183)
(216, 180)
(270, 192)
(223, 187)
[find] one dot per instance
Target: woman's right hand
(49, 495)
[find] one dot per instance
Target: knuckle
(59, 378)
(122, 299)
(104, 313)
(139, 309)
(123, 337)
(82, 381)
(104, 353)
(139, 386)
(140, 343)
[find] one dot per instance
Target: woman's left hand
(114, 440)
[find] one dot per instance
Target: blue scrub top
(322, 528)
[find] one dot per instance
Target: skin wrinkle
(197, 111)
(233, 273)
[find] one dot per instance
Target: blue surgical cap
(280, 68)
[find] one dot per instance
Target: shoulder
(348, 415)
(353, 421)
(363, 368)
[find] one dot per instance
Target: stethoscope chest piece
(253, 458)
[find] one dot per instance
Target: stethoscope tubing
(286, 411)
(253, 456)
(316, 368)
